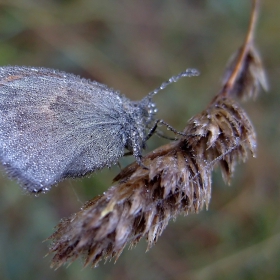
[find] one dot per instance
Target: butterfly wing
(55, 125)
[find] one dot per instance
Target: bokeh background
(133, 46)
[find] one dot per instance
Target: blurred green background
(133, 46)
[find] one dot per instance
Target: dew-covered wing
(55, 125)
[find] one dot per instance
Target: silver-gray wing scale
(55, 125)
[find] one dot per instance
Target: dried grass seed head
(251, 77)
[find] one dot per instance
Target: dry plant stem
(244, 50)
(178, 178)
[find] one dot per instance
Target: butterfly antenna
(187, 73)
